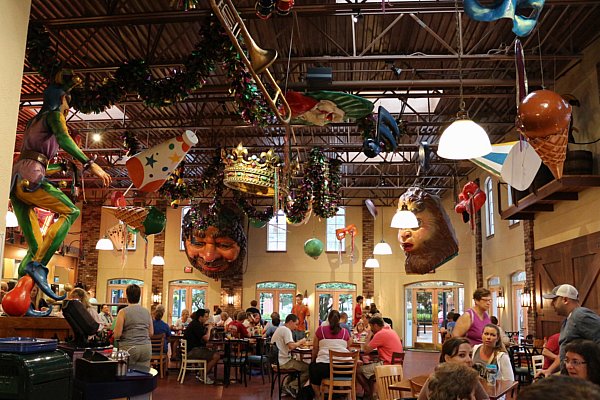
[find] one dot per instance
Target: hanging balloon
(371, 207)
(313, 248)
(257, 223)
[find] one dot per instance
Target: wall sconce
(230, 299)
(305, 299)
(157, 261)
(501, 299)
(104, 244)
(157, 298)
(526, 296)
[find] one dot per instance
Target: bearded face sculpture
(215, 241)
(434, 242)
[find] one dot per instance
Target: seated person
(225, 320)
(106, 317)
(82, 296)
(183, 321)
(197, 335)
(492, 351)
(360, 333)
(344, 322)
(452, 324)
(560, 387)
(582, 360)
(387, 342)
(272, 326)
(161, 326)
(284, 341)
(453, 382)
(252, 324)
(551, 350)
(37, 299)
(237, 328)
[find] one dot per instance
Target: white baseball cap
(563, 291)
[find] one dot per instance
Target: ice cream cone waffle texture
(552, 149)
(132, 216)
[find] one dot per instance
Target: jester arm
(58, 125)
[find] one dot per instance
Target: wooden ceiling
(407, 52)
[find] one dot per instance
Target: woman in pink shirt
(472, 322)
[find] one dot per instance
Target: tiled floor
(415, 363)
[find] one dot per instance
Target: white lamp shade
(404, 219)
(11, 220)
(462, 140)
(372, 263)
(104, 244)
(382, 249)
(158, 261)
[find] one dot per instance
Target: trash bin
(35, 376)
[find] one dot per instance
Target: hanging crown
(254, 175)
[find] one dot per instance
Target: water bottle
(491, 372)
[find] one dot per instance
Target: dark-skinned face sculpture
(434, 242)
(215, 241)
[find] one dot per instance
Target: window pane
(277, 234)
(345, 302)
(184, 210)
(489, 207)
(336, 222)
(286, 302)
(325, 305)
(265, 300)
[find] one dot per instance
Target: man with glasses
(580, 323)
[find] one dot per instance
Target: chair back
(398, 358)
(538, 363)
(158, 344)
(342, 372)
(415, 387)
(385, 375)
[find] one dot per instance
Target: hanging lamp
(404, 219)
(382, 248)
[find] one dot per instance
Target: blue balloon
(522, 25)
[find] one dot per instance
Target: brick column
(91, 215)
(528, 240)
(159, 249)
(368, 243)
(233, 285)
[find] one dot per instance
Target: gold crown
(254, 175)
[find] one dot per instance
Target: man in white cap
(580, 322)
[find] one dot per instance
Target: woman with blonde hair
(82, 296)
(492, 352)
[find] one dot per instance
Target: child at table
(360, 333)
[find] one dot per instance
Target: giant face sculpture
(215, 244)
(433, 242)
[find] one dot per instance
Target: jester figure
(45, 133)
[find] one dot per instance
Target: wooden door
(576, 262)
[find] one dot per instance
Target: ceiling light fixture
(463, 139)
(11, 220)
(157, 261)
(404, 219)
(372, 263)
(382, 248)
(104, 244)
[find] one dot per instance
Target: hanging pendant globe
(372, 263)
(382, 249)
(313, 248)
(462, 140)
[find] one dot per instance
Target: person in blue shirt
(161, 326)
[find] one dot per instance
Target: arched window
(518, 280)
(494, 287)
(275, 296)
(489, 208)
(115, 292)
(335, 296)
(511, 202)
(187, 294)
(336, 222)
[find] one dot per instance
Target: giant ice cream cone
(147, 221)
(552, 149)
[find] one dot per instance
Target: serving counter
(45, 328)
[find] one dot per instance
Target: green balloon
(256, 223)
(313, 248)
(155, 222)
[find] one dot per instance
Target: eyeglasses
(486, 299)
(575, 363)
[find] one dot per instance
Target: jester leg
(39, 273)
(34, 313)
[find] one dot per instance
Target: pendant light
(157, 261)
(372, 263)
(463, 139)
(382, 248)
(104, 244)
(11, 219)
(404, 219)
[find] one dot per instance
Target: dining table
(495, 392)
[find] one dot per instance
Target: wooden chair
(342, 374)
(188, 364)
(537, 362)
(159, 357)
(415, 387)
(521, 360)
(385, 375)
(277, 372)
(236, 357)
(398, 358)
(260, 359)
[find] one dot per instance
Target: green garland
(323, 176)
(134, 76)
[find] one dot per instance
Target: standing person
(284, 340)
(492, 351)
(301, 311)
(106, 317)
(252, 309)
(456, 351)
(551, 349)
(161, 326)
(133, 330)
(197, 334)
(357, 311)
(387, 342)
(580, 323)
(471, 323)
(329, 337)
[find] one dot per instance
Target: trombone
(260, 60)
